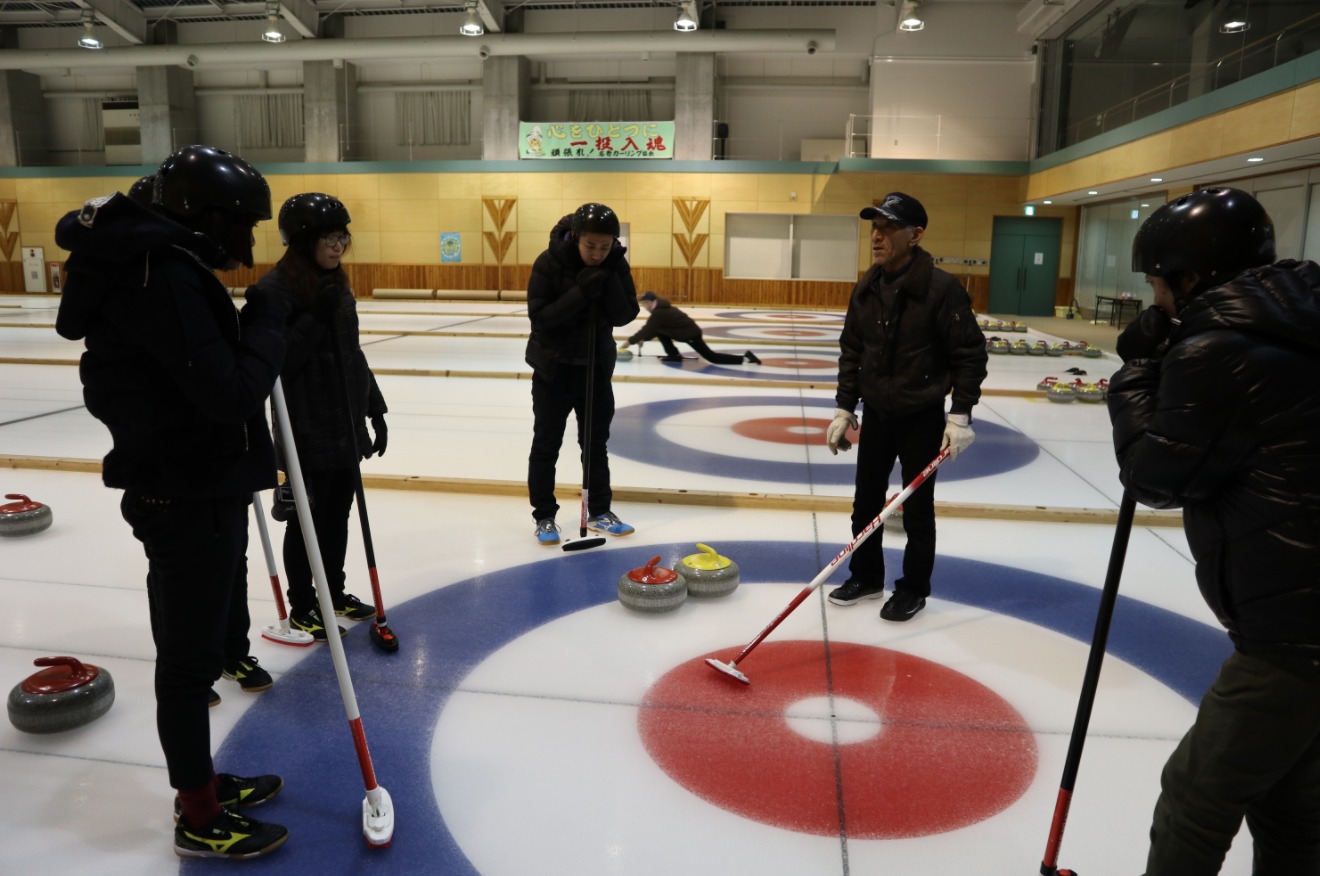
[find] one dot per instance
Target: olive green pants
(1253, 753)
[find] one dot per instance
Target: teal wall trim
(821, 168)
(922, 165)
(1281, 78)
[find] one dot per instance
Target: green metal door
(1024, 265)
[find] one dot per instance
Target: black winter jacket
(559, 309)
(169, 369)
(669, 321)
(1226, 425)
(905, 361)
(313, 389)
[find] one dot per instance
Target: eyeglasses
(336, 239)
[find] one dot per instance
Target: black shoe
(855, 591)
(238, 791)
(355, 609)
(671, 358)
(229, 836)
(250, 676)
(214, 699)
(752, 358)
(310, 622)
(902, 606)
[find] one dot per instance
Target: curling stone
(623, 355)
(652, 588)
(24, 516)
(67, 695)
(708, 573)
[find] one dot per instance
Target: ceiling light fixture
(273, 34)
(687, 20)
(909, 18)
(1235, 20)
(1254, 160)
(472, 26)
(88, 40)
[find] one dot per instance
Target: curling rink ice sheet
(531, 723)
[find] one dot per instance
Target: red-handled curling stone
(707, 573)
(652, 588)
(68, 694)
(23, 516)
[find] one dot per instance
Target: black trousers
(913, 440)
(702, 350)
(197, 594)
(1253, 754)
(332, 493)
(552, 401)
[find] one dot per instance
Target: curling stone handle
(77, 671)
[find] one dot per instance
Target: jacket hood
(110, 238)
(1277, 302)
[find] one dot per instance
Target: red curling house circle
(949, 753)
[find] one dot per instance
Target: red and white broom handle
(270, 559)
(890, 507)
(322, 588)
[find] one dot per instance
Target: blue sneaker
(609, 523)
(546, 531)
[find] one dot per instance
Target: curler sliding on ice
(377, 809)
(892, 505)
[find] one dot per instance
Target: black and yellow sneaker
(310, 622)
(248, 674)
(355, 609)
(239, 791)
(230, 835)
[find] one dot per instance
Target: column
(167, 107)
(505, 89)
(326, 89)
(694, 107)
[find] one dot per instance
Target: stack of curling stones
(23, 516)
(68, 694)
(707, 573)
(652, 588)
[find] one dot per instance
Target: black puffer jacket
(908, 360)
(318, 406)
(1226, 425)
(559, 309)
(669, 321)
(180, 384)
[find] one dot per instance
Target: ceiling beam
(124, 19)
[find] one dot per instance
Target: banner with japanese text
(595, 139)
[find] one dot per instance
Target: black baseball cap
(649, 296)
(898, 208)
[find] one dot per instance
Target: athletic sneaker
(610, 524)
(251, 677)
(547, 532)
(230, 835)
(752, 358)
(902, 606)
(853, 591)
(237, 791)
(213, 699)
(310, 622)
(355, 609)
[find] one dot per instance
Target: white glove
(958, 434)
(835, 433)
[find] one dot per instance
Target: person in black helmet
(323, 355)
(580, 288)
(908, 341)
(181, 381)
(1212, 413)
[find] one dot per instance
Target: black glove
(382, 436)
(1144, 336)
(263, 306)
(328, 299)
(591, 280)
